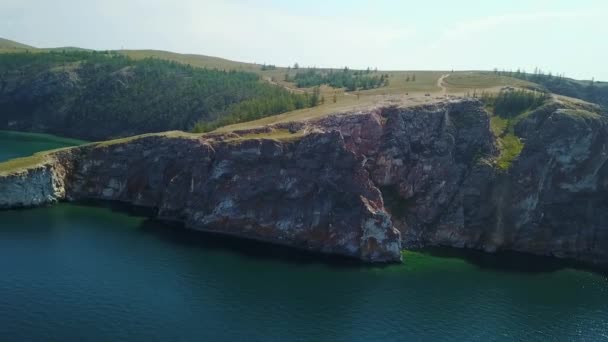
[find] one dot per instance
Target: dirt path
(444, 89)
(293, 90)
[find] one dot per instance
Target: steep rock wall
(32, 187)
(362, 184)
(310, 193)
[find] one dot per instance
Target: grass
(399, 90)
(343, 104)
(9, 44)
(510, 148)
(498, 125)
(168, 134)
(426, 83)
(276, 134)
(509, 145)
(480, 80)
(193, 60)
(19, 164)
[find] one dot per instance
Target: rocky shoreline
(362, 185)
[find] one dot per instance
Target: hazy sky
(569, 36)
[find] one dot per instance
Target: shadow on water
(176, 233)
(512, 261)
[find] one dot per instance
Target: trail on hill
(444, 89)
(294, 90)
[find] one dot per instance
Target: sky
(560, 36)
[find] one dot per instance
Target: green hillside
(96, 96)
(7, 45)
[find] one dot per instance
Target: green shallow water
(16, 144)
(75, 272)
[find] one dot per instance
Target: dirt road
(444, 89)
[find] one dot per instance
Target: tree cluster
(591, 91)
(350, 79)
(268, 67)
(509, 103)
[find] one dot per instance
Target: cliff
(360, 184)
(311, 192)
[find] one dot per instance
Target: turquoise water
(15, 144)
(75, 272)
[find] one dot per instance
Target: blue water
(76, 272)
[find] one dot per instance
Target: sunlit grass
(275, 134)
(168, 134)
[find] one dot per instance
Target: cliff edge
(363, 185)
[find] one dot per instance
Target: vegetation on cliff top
(592, 91)
(283, 135)
(131, 103)
(350, 79)
(508, 107)
(20, 164)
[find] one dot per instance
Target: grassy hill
(193, 60)
(96, 96)
(7, 45)
(402, 87)
(591, 91)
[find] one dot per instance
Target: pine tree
(314, 99)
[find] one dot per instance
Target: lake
(78, 272)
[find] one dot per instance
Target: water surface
(17, 144)
(75, 272)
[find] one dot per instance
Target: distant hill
(97, 96)
(337, 90)
(194, 60)
(590, 91)
(66, 49)
(191, 59)
(6, 44)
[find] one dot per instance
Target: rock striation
(363, 184)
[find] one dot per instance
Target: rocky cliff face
(32, 187)
(310, 193)
(559, 186)
(363, 184)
